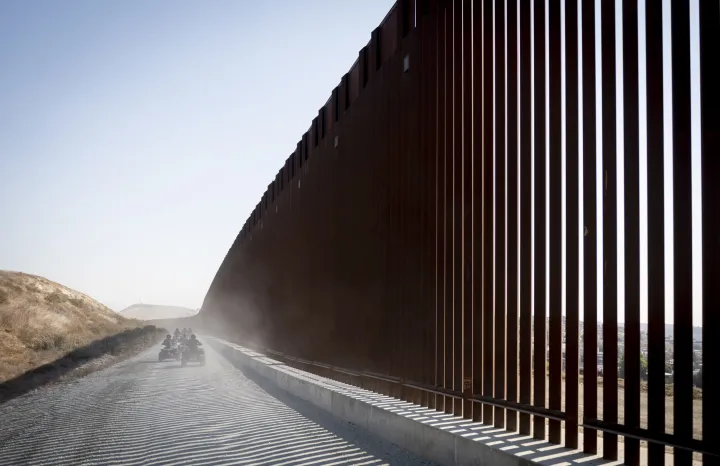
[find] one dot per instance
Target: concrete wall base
(437, 436)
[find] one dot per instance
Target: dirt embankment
(50, 332)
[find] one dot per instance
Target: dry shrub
(77, 302)
(13, 288)
(55, 298)
(4, 296)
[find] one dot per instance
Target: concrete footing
(437, 436)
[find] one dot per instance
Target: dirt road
(144, 412)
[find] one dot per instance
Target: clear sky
(137, 136)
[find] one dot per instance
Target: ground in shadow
(81, 361)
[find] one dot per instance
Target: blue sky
(136, 137)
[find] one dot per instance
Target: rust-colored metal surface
(475, 221)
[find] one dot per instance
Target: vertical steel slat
(555, 220)
(374, 203)
(539, 325)
(572, 196)
(417, 132)
(406, 167)
(366, 255)
(458, 272)
(398, 311)
(413, 227)
(423, 296)
(398, 144)
(609, 163)
(439, 258)
(399, 252)
(468, 203)
(682, 230)
(710, 192)
(525, 181)
(478, 205)
(487, 208)
(499, 202)
(357, 213)
(449, 206)
(442, 206)
(656, 230)
(394, 303)
(512, 212)
(404, 201)
(416, 230)
(436, 118)
(390, 305)
(383, 361)
(391, 309)
(379, 345)
(370, 254)
(449, 230)
(380, 202)
(590, 225)
(422, 361)
(375, 146)
(631, 355)
(379, 361)
(431, 35)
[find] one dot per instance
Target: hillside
(42, 321)
(154, 312)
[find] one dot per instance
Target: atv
(169, 353)
(192, 355)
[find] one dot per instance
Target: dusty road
(142, 412)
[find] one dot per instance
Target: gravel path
(142, 412)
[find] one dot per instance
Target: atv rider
(193, 343)
(168, 342)
(177, 333)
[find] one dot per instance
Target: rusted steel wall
(437, 232)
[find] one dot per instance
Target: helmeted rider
(193, 343)
(177, 333)
(168, 342)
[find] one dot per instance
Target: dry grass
(41, 321)
(669, 407)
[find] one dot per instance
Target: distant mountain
(153, 311)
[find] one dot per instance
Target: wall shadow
(357, 436)
(127, 342)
